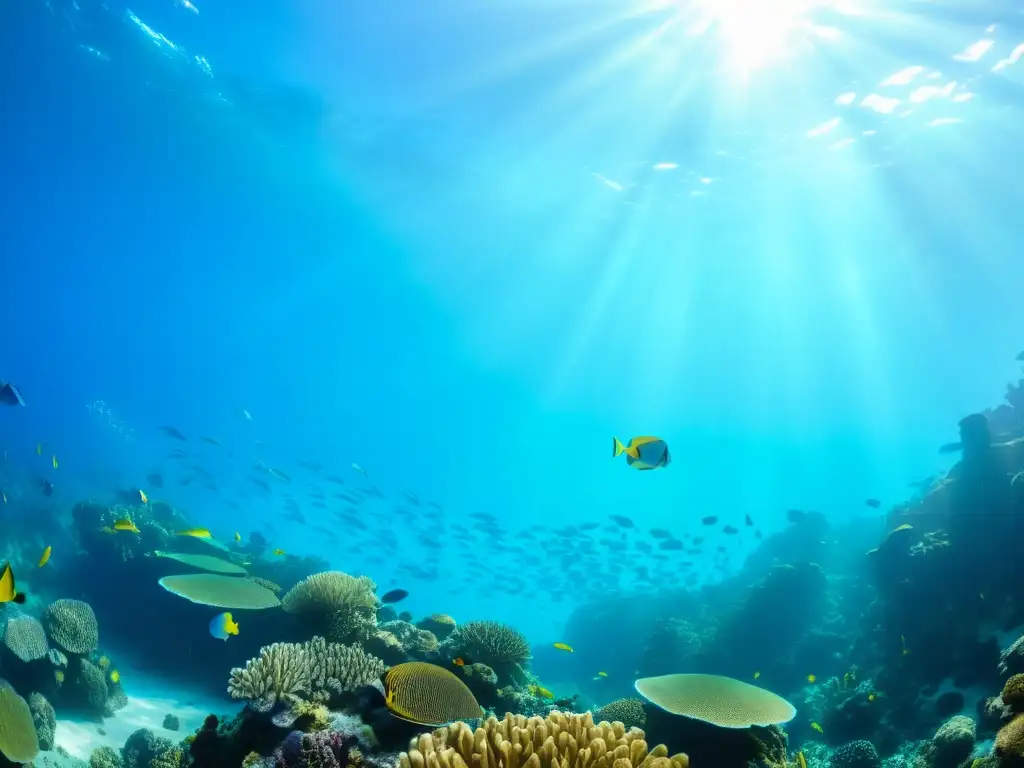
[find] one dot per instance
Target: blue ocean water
(435, 242)
(460, 246)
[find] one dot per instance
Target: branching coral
(280, 673)
(71, 624)
(283, 672)
(341, 668)
(558, 740)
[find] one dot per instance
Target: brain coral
(556, 741)
(26, 638)
(953, 741)
(629, 712)
(71, 624)
(18, 741)
(856, 754)
(489, 642)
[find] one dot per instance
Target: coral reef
(44, 718)
(341, 607)
(573, 741)
(26, 638)
(856, 754)
(18, 740)
(72, 626)
(628, 711)
(501, 647)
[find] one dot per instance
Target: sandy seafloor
(150, 698)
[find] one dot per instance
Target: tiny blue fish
(223, 625)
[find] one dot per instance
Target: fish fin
(617, 447)
(20, 598)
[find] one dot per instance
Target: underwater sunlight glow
(751, 34)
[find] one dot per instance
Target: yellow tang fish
(54, 460)
(602, 674)
(811, 678)
(757, 674)
(39, 449)
(643, 452)
(199, 533)
(125, 524)
(801, 761)
(8, 592)
(817, 727)
(58, 675)
(563, 647)
(872, 696)
(115, 676)
(45, 558)
(143, 497)
(278, 551)
(238, 536)
(541, 692)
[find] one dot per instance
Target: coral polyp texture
(71, 625)
(628, 711)
(18, 740)
(715, 699)
(26, 638)
(556, 741)
(489, 642)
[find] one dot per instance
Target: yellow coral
(1013, 693)
(1010, 739)
(556, 741)
(319, 716)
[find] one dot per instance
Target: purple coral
(323, 749)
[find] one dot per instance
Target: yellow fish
(199, 533)
(238, 536)
(143, 497)
(45, 558)
(563, 647)
(817, 727)
(801, 761)
(54, 460)
(872, 696)
(115, 676)
(602, 674)
(278, 551)
(541, 692)
(58, 675)
(39, 449)
(4, 496)
(125, 524)
(757, 675)
(811, 678)
(643, 452)
(8, 592)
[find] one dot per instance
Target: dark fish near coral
(795, 515)
(951, 447)
(173, 433)
(730, 530)
(46, 487)
(155, 479)
(747, 520)
(709, 520)
(624, 522)
(9, 394)
(643, 452)
(873, 503)
(660, 533)
(394, 596)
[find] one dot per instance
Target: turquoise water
(435, 256)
